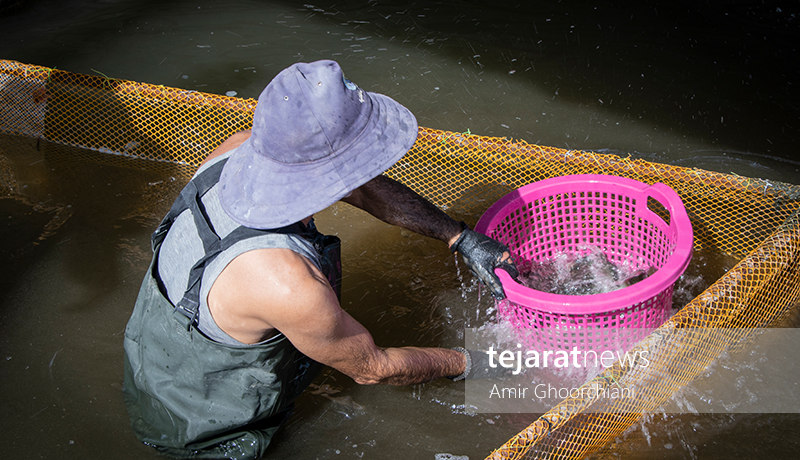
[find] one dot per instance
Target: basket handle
(679, 223)
(665, 196)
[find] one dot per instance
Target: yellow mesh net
(753, 219)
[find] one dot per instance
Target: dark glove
(479, 367)
(482, 255)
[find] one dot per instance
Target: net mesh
(752, 219)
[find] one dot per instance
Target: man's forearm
(396, 204)
(409, 365)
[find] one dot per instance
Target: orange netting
(463, 173)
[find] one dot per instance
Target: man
(240, 306)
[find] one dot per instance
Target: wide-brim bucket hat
(316, 136)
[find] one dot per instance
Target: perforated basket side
(564, 213)
(614, 330)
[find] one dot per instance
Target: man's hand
(480, 366)
(483, 255)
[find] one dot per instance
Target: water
(585, 271)
(66, 300)
(721, 435)
(700, 85)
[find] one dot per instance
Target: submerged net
(752, 219)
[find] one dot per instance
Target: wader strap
(196, 188)
(187, 309)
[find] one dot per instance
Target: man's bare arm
(278, 289)
(396, 204)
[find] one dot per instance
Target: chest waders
(189, 396)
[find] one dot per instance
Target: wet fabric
(191, 397)
(183, 247)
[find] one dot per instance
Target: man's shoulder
(269, 273)
(262, 288)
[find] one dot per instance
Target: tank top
(183, 247)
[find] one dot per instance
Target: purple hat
(316, 137)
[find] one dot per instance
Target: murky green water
(697, 85)
(67, 297)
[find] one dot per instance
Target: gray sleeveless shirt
(182, 247)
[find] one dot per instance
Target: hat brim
(258, 192)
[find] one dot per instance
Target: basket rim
(608, 302)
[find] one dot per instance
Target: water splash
(586, 271)
(448, 456)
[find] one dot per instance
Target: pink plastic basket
(645, 226)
